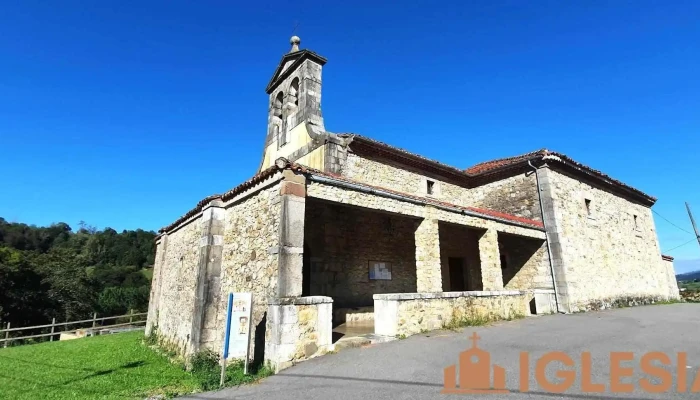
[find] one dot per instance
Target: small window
(636, 225)
(430, 187)
(589, 212)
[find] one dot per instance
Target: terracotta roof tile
(485, 168)
(261, 176)
(502, 162)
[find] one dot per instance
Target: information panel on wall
(379, 270)
(238, 322)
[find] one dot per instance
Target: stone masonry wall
(340, 243)
(297, 329)
(516, 195)
(249, 260)
(174, 289)
(411, 313)
(375, 202)
(671, 278)
(527, 263)
(606, 258)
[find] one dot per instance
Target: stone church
(340, 229)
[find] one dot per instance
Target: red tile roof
(283, 164)
(257, 178)
(482, 211)
(479, 173)
(666, 258)
(491, 165)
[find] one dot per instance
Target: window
(589, 212)
(430, 187)
(504, 260)
(636, 225)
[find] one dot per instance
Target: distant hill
(688, 276)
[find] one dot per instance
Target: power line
(666, 219)
(689, 241)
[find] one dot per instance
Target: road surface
(413, 368)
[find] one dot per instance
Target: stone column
(428, 268)
(291, 230)
(208, 272)
(491, 274)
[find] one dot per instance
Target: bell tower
(294, 99)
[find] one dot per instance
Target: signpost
(237, 334)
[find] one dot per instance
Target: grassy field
(116, 366)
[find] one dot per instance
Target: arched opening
(277, 106)
(294, 92)
(278, 120)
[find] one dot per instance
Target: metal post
(53, 323)
(94, 320)
(692, 221)
(7, 334)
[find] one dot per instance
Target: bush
(206, 369)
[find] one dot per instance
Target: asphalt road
(413, 368)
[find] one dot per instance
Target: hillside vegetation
(56, 272)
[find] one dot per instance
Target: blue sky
(125, 114)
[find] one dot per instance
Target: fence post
(94, 320)
(53, 325)
(7, 334)
(131, 318)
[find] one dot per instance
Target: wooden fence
(134, 320)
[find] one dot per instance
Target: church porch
(358, 255)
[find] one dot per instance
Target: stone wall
(376, 202)
(526, 263)
(667, 264)
(297, 329)
(250, 260)
(606, 255)
(340, 243)
(410, 313)
(170, 313)
(515, 195)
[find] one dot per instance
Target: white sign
(380, 271)
(240, 308)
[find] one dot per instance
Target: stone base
(405, 314)
(619, 302)
(544, 301)
(298, 328)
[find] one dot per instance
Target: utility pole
(692, 221)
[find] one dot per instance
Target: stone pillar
(554, 235)
(428, 268)
(298, 328)
(291, 231)
(208, 287)
(491, 274)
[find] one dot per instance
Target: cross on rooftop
(474, 338)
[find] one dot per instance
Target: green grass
(148, 273)
(116, 366)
